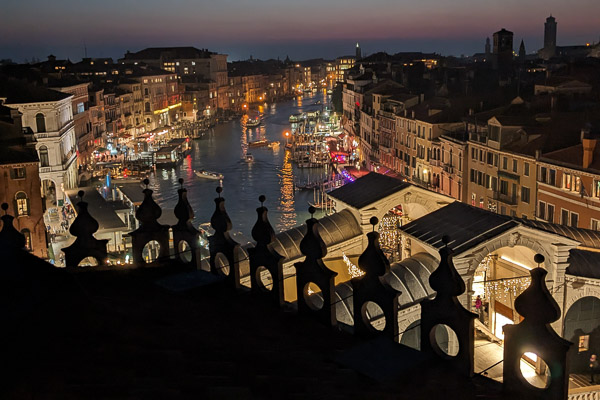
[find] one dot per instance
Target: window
(147, 107)
(474, 154)
(27, 234)
(515, 165)
(541, 210)
(504, 187)
(80, 108)
(472, 175)
(543, 174)
(550, 217)
(596, 188)
(473, 198)
(504, 163)
(564, 216)
(552, 177)
(574, 219)
(595, 225)
(44, 160)
(567, 182)
(17, 173)
(40, 122)
(526, 169)
(525, 194)
(21, 204)
(490, 158)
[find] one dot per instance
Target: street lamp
(287, 137)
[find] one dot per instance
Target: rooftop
(368, 189)
(19, 92)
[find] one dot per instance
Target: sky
(301, 29)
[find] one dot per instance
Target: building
(20, 182)
(342, 65)
(549, 49)
(49, 115)
(184, 61)
(569, 185)
(503, 49)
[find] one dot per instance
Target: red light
(357, 104)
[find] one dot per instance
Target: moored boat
(274, 145)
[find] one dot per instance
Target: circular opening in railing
(534, 370)
(222, 264)
(88, 262)
(313, 296)
(151, 251)
(373, 316)
(444, 341)
(264, 279)
(185, 251)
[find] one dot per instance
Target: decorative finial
(262, 199)
(81, 193)
(5, 207)
(180, 180)
(146, 182)
(539, 259)
(446, 240)
(374, 221)
(219, 190)
(311, 211)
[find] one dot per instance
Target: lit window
(27, 234)
(22, 204)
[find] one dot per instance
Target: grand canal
(272, 172)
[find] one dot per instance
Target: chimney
(413, 114)
(538, 154)
(471, 112)
(589, 145)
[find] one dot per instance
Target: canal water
(272, 173)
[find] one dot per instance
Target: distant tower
(358, 52)
(488, 49)
(522, 53)
(549, 37)
(503, 49)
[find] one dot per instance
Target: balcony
(506, 198)
(449, 168)
(55, 134)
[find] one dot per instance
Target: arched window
(147, 107)
(40, 122)
(27, 234)
(21, 204)
(44, 161)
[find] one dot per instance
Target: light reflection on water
(272, 172)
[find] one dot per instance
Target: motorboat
(274, 145)
(253, 122)
(209, 175)
(249, 158)
(259, 143)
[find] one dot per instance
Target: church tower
(549, 49)
(522, 53)
(358, 52)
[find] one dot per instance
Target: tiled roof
(18, 92)
(368, 189)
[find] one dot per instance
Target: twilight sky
(275, 28)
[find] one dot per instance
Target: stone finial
(262, 231)
(536, 304)
(220, 221)
(445, 280)
(312, 245)
(148, 212)
(183, 210)
(84, 224)
(9, 235)
(373, 261)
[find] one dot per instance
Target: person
(478, 304)
(593, 367)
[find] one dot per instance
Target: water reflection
(286, 200)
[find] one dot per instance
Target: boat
(321, 205)
(208, 175)
(253, 122)
(296, 117)
(274, 145)
(259, 143)
(249, 158)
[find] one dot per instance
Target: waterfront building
(569, 184)
(184, 61)
(20, 182)
(49, 115)
(342, 65)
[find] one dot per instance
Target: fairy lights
(353, 270)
